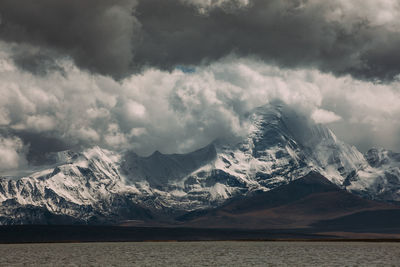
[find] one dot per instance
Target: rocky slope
(303, 203)
(101, 186)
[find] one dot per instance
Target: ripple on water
(202, 254)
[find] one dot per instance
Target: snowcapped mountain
(379, 179)
(98, 186)
(78, 186)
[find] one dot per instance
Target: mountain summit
(100, 186)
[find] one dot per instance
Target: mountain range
(287, 172)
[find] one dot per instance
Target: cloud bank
(174, 75)
(121, 37)
(179, 111)
(12, 153)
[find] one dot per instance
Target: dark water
(202, 254)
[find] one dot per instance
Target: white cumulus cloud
(324, 116)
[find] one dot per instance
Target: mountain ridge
(303, 203)
(97, 185)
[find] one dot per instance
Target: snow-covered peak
(378, 157)
(278, 124)
(282, 146)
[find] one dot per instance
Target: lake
(202, 254)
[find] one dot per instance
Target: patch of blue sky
(186, 69)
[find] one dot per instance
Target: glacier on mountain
(101, 186)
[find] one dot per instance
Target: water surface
(202, 254)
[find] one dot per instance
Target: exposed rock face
(99, 186)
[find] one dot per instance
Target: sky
(174, 75)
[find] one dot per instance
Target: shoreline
(26, 234)
(200, 241)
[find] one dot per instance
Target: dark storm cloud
(37, 62)
(121, 37)
(288, 33)
(98, 34)
(60, 59)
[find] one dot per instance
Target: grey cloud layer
(121, 37)
(177, 111)
(100, 35)
(59, 62)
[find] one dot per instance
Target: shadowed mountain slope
(257, 175)
(302, 203)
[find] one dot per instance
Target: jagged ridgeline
(101, 186)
